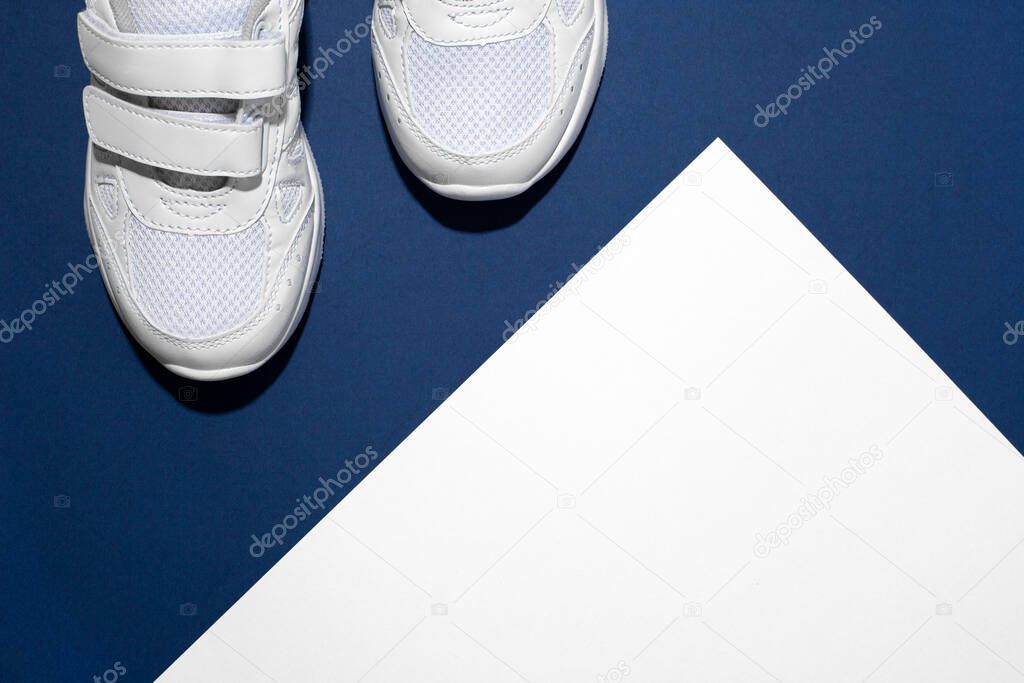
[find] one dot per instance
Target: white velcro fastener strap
(183, 66)
(164, 140)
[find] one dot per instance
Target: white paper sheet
(712, 457)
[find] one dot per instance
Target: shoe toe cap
(483, 121)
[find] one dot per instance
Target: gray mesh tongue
(227, 18)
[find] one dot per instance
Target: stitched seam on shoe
(258, 318)
(262, 92)
(166, 163)
(199, 44)
(435, 39)
(217, 128)
(241, 225)
(489, 3)
(498, 157)
(457, 18)
(212, 209)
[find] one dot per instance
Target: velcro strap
(183, 66)
(154, 138)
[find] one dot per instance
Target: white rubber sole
(595, 72)
(223, 374)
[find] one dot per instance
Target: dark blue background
(415, 290)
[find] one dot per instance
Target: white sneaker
(202, 198)
(484, 97)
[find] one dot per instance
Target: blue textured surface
(165, 494)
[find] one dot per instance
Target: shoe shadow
(306, 56)
(229, 395)
(478, 217)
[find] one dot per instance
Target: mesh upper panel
(189, 16)
(569, 8)
(108, 193)
(196, 286)
(480, 99)
(387, 18)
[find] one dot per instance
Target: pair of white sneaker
(203, 201)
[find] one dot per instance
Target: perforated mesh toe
(197, 286)
(480, 99)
